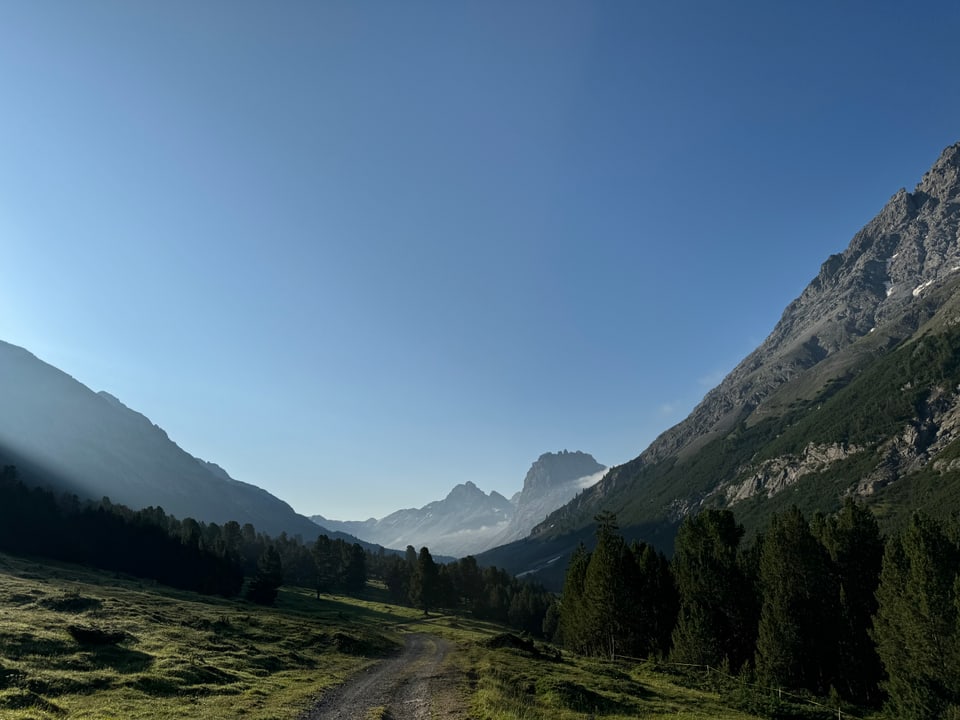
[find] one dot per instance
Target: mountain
(60, 433)
(855, 392)
(465, 519)
(552, 481)
(468, 521)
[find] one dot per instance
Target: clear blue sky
(359, 252)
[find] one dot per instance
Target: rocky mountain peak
(902, 256)
(552, 469)
(464, 489)
(468, 494)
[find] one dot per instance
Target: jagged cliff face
(552, 481)
(913, 244)
(894, 276)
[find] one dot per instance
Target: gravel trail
(414, 685)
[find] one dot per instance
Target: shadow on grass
(21, 699)
(22, 645)
(70, 603)
(188, 678)
(120, 659)
(574, 696)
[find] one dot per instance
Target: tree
(396, 575)
(570, 625)
(916, 626)
(468, 581)
(606, 603)
(852, 539)
(424, 584)
(794, 640)
(326, 564)
(354, 574)
(652, 592)
(718, 614)
(264, 586)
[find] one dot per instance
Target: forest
(231, 559)
(825, 606)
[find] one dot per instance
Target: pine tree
(326, 565)
(354, 574)
(570, 630)
(264, 586)
(653, 596)
(852, 538)
(468, 581)
(794, 640)
(916, 626)
(718, 612)
(606, 603)
(424, 584)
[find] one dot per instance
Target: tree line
(223, 559)
(487, 593)
(825, 606)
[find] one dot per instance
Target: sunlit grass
(172, 654)
(181, 655)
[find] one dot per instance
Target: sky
(357, 253)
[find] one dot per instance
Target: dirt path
(415, 685)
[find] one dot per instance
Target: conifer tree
(916, 626)
(718, 611)
(606, 605)
(424, 584)
(570, 625)
(264, 586)
(326, 565)
(354, 574)
(852, 539)
(653, 594)
(794, 641)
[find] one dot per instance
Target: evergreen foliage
(852, 539)
(569, 626)
(265, 584)
(146, 543)
(607, 606)
(424, 583)
(617, 600)
(916, 626)
(795, 637)
(653, 593)
(718, 612)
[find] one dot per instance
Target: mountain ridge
(91, 444)
(896, 283)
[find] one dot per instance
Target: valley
(172, 654)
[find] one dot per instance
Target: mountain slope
(815, 412)
(91, 444)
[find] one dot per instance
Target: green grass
(181, 655)
(170, 654)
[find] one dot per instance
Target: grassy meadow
(75, 643)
